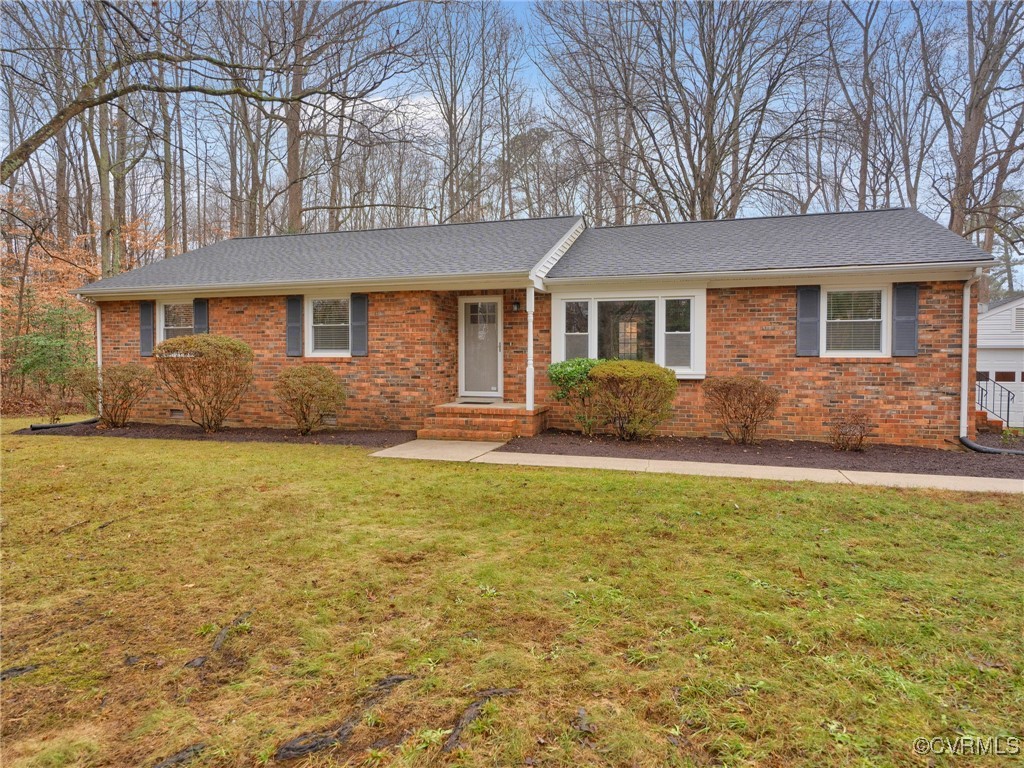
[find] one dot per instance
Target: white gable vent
(1018, 319)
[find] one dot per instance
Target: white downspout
(99, 359)
(965, 352)
(529, 347)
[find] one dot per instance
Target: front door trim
(463, 392)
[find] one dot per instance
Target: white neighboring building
(1001, 352)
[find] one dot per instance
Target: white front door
(480, 373)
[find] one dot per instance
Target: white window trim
(698, 324)
(307, 322)
(160, 315)
(886, 336)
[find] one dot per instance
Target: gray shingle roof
(1003, 301)
(499, 247)
(889, 237)
(895, 236)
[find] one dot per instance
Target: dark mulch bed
(361, 438)
(1014, 440)
(797, 453)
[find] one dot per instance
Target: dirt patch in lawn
(780, 453)
(363, 438)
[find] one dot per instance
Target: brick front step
(984, 422)
(428, 433)
(458, 421)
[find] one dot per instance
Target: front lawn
(642, 619)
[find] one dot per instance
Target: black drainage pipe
(37, 427)
(985, 449)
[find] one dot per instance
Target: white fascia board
(542, 267)
(488, 281)
(930, 272)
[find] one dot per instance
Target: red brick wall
(413, 363)
(411, 367)
(911, 400)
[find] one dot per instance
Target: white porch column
(529, 348)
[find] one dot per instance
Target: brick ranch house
(450, 329)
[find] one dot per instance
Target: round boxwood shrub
(573, 387)
(308, 394)
(208, 375)
(632, 397)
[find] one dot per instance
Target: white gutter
(493, 280)
(99, 359)
(428, 282)
(965, 352)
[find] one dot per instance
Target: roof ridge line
(751, 218)
(394, 229)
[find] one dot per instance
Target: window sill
(324, 355)
(690, 375)
(857, 358)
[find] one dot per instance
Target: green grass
(695, 621)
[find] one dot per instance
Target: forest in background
(135, 131)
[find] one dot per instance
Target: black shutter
(808, 307)
(359, 311)
(293, 326)
(200, 316)
(147, 326)
(904, 320)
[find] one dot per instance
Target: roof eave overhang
(957, 270)
(480, 281)
(960, 270)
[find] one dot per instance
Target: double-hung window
(577, 329)
(668, 330)
(678, 333)
(176, 320)
(855, 321)
(329, 327)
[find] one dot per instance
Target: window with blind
(678, 334)
(853, 321)
(577, 329)
(329, 326)
(177, 320)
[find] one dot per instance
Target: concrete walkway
(484, 453)
(439, 450)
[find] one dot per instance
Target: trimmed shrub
(573, 386)
(122, 387)
(207, 375)
(847, 432)
(741, 404)
(309, 393)
(632, 397)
